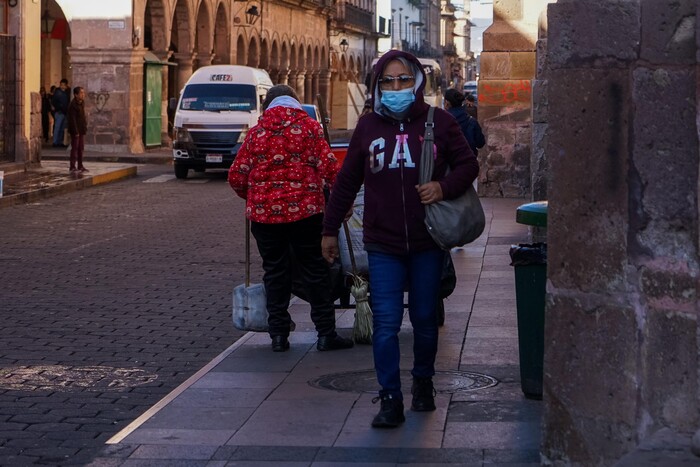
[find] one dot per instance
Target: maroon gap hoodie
(384, 154)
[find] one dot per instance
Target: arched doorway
(55, 61)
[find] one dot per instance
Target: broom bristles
(362, 329)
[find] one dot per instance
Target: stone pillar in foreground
(621, 333)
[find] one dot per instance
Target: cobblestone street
(110, 297)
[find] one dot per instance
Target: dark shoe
(280, 344)
(423, 395)
(73, 170)
(390, 414)
(334, 342)
(83, 169)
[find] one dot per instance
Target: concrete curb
(85, 181)
(122, 159)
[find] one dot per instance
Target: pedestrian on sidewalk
(384, 155)
(280, 170)
(77, 128)
(454, 104)
(60, 101)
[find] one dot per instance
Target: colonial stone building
(109, 50)
(591, 104)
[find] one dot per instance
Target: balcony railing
(355, 18)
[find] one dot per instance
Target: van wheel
(181, 172)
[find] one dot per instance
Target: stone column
(324, 86)
(299, 85)
(113, 81)
(292, 79)
(507, 68)
(205, 59)
(621, 328)
(283, 77)
(314, 85)
(185, 63)
(165, 136)
(308, 88)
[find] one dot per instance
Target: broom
(362, 329)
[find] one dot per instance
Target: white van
(216, 108)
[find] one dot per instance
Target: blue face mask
(398, 101)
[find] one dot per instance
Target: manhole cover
(60, 377)
(446, 382)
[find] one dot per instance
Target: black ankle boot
(334, 342)
(280, 343)
(423, 395)
(390, 414)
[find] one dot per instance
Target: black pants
(276, 242)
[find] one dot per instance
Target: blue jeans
(388, 277)
(59, 125)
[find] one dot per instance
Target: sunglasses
(388, 81)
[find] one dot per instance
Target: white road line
(160, 179)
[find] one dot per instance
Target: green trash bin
(530, 263)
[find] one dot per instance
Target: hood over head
(418, 72)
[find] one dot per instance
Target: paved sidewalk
(253, 407)
(52, 178)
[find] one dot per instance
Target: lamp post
(344, 44)
(252, 15)
(47, 23)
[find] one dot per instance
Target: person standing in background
(454, 104)
(45, 112)
(60, 101)
(280, 170)
(77, 128)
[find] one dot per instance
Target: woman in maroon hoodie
(280, 171)
(384, 155)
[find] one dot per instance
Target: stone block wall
(508, 66)
(621, 145)
(113, 82)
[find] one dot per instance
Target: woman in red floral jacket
(280, 170)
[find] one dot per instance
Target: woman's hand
(430, 192)
(329, 248)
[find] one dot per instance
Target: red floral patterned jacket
(281, 167)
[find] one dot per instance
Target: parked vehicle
(472, 87)
(313, 112)
(216, 108)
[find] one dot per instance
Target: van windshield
(218, 97)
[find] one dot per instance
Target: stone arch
(292, 58)
(203, 36)
(309, 57)
(222, 54)
(181, 39)
(274, 61)
(240, 50)
(156, 33)
(283, 77)
(56, 61)
(264, 55)
(253, 52)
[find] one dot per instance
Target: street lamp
(248, 14)
(252, 15)
(46, 23)
(344, 44)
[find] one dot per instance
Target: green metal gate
(152, 104)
